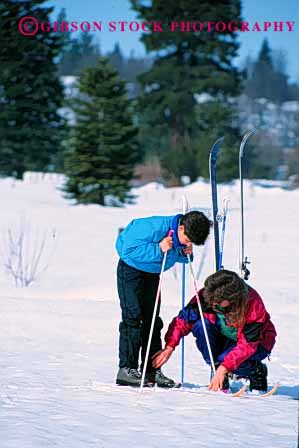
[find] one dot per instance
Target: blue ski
(213, 180)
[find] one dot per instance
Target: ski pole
(225, 210)
(153, 318)
(184, 208)
(201, 315)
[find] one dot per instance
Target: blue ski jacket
(138, 244)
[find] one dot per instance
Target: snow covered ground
(59, 336)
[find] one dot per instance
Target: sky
(252, 11)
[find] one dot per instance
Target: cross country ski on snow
(203, 390)
(242, 392)
(270, 392)
(195, 390)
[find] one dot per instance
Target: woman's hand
(161, 357)
(217, 380)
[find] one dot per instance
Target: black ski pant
(137, 292)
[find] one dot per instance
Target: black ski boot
(128, 377)
(157, 377)
(258, 378)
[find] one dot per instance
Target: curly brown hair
(227, 285)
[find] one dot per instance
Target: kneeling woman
(240, 331)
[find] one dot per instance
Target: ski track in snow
(59, 338)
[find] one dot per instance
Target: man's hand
(166, 244)
(188, 249)
(161, 357)
(217, 380)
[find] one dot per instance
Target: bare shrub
(27, 252)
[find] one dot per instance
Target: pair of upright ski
(216, 217)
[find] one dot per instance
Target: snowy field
(59, 336)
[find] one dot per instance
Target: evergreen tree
(116, 59)
(61, 32)
(31, 129)
(89, 50)
(128, 68)
(187, 64)
(104, 146)
(293, 92)
(80, 53)
(214, 121)
(65, 62)
(268, 78)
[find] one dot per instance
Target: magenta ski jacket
(257, 328)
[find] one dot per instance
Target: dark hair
(196, 227)
(227, 285)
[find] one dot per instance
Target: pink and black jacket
(257, 329)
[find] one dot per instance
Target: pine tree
(187, 64)
(89, 49)
(104, 146)
(267, 78)
(31, 128)
(128, 68)
(79, 54)
(116, 59)
(65, 64)
(68, 66)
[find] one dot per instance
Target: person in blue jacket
(141, 247)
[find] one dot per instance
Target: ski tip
(241, 391)
(244, 140)
(216, 147)
(271, 391)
